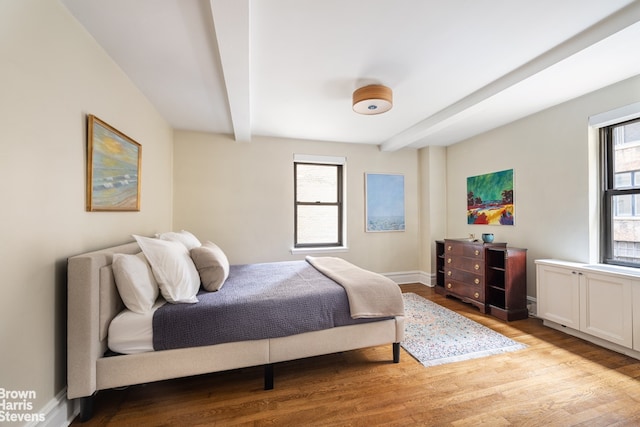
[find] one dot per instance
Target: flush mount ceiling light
(372, 99)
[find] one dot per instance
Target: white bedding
(131, 332)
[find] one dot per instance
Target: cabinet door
(606, 308)
(558, 293)
(636, 318)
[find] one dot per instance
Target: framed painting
(113, 169)
(384, 195)
(490, 198)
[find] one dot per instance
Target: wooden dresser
(487, 275)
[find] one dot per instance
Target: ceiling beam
(231, 24)
(613, 24)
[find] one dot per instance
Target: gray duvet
(257, 301)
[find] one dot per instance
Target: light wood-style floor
(558, 380)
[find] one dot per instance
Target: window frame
(339, 164)
(609, 192)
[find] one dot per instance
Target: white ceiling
(287, 68)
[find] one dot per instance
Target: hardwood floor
(558, 380)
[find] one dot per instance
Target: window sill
(333, 249)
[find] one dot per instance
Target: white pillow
(212, 265)
(135, 282)
(173, 269)
(187, 239)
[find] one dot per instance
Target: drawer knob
(448, 285)
(449, 247)
(449, 273)
(449, 261)
(476, 267)
(476, 281)
(477, 252)
(476, 295)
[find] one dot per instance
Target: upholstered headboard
(93, 301)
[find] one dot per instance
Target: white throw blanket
(370, 294)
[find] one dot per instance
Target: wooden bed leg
(86, 408)
(268, 377)
(396, 352)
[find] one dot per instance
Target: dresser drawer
(453, 248)
(471, 250)
(464, 277)
(471, 265)
(461, 269)
(475, 292)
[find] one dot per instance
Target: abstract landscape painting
(385, 202)
(113, 169)
(490, 198)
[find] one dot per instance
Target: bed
(94, 302)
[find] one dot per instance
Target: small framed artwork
(490, 198)
(384, 202)
(113, 168)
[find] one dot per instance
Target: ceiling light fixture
(372, 99)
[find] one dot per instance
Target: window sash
(304, 237)
(620, 219)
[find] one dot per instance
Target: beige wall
(52, 74)
(433, 207)
(240, 196)
(554, 157)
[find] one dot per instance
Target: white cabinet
(606, 307)
(636, 318)
(558, 294)
(597, 303)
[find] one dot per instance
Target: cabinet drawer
(452, 248)
(471, 265)
(464, 276)
(475, 292)
(473, 251)
(464, 249)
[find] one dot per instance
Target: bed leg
(396, 352)
(86, 408)
(268, 377)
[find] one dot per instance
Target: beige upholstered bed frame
(93, 301)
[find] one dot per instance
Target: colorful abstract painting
(385, 202)
(490, 198)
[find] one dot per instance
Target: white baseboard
(595, 340)
(404, 277)
(429, 279)
(60, 411)
(532, 306)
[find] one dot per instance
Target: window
(318, 202)
(621, 193)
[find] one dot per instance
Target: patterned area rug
(435, 335)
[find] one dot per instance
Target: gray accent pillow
(212, 265)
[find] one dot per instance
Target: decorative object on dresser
(490, 276)
(487, 237)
